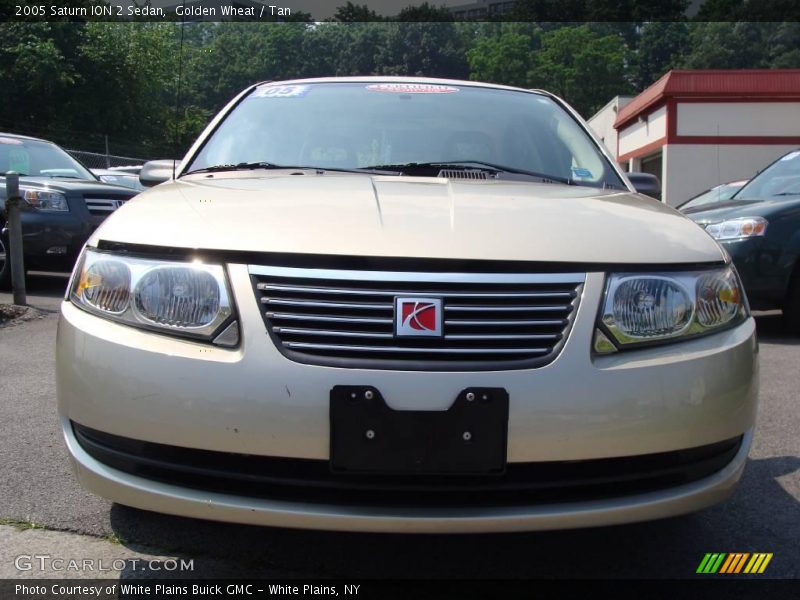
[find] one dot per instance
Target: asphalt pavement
(37, 486)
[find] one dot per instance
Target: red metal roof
(722, 83)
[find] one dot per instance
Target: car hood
(740, 208)
(83, 186)
(390, 216)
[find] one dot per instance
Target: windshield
(371, 125)
(718, 194)
(39, 159)
(780, 180)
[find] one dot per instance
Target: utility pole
(13, 210)
(108, 154)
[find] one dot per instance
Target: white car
(405, 305)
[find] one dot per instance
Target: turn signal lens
(718, 299)
(105, 285)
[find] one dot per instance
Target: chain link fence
(96, 160)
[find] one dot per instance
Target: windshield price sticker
(411, 88)
(281, 91)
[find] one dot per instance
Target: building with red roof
(697, 129)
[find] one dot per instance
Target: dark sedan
(64, 203)
(760, 228)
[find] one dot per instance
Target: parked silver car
(409, 305)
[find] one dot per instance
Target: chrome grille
(102, 207)
(347, 318)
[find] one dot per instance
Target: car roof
(23, 137)
(397, 79)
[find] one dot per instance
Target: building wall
(693, 168)
(739, 118)
(602, 123)
(642, 133)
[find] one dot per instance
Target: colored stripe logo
(734, 563)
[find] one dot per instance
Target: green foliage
(505, 58)
(661, 47)
(354, 13)
(425, 13)
(417, 49)
(581, 66)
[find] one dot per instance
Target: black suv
(64, 203)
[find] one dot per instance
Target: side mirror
(157, 171)
(645, 183)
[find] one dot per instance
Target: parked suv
(64, 203)
(408, 305)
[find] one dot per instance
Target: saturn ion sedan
(404, 305)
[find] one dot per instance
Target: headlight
(738, 228)
(187, 299)
(643, 308)
(43, 200)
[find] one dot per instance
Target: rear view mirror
(157, 171)
(645, 183)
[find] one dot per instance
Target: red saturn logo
(418, 316)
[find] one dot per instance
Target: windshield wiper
(242, 166)
(465, 165)
(249, 166)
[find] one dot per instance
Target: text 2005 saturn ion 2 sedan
(405, 305)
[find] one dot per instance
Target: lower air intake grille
(478, 321)
(311, 481)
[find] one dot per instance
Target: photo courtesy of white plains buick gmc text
(405, 305)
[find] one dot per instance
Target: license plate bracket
(469, 438)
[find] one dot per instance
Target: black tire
(5, 263)
(791, 307)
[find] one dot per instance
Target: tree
(354, 13)
(504, 59)
(36, 74)
(784, 46)
(423, 49)
(726, 46)
(582, 67)
(426, 13)
(660, 48)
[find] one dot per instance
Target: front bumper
(254, 401)
(43, 232)
(764, 279)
